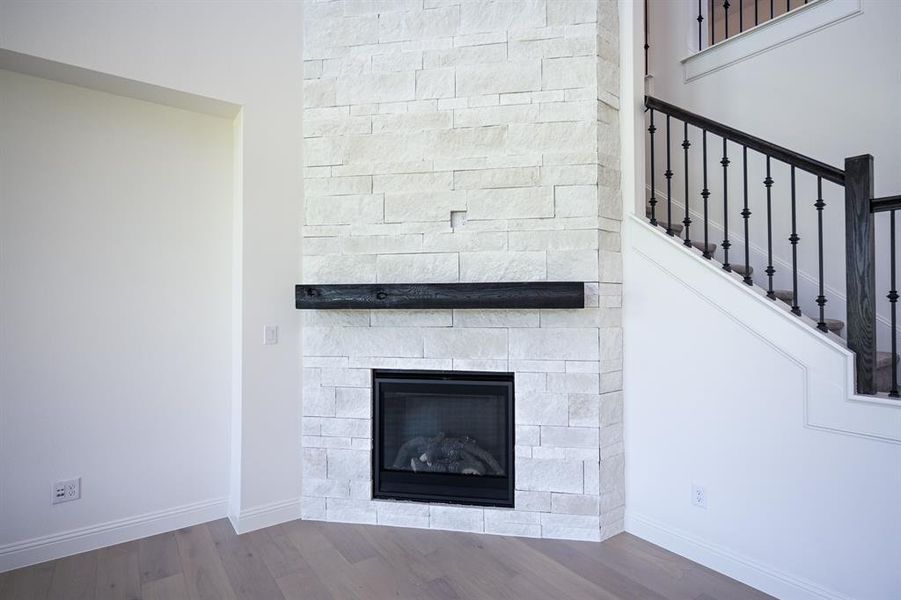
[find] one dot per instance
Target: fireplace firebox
(443, 436)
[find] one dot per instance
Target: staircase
(876, 369)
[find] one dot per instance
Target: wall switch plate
(66, 491)
(698, 495)
(270, 335)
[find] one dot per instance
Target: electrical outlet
(698, 495)
(66, 491)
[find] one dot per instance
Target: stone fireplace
(443, 436)
(462, 141)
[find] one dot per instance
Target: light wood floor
(311, 561)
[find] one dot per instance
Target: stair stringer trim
(829, 402)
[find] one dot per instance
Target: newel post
(860, 252)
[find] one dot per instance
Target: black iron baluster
(788, 5)
(687, 220)
(700, 26)
(770, 271)
(669, 183)
(705, 194)
(772, 8)
(793, 238)
(893, 298)
(646, 45)
(821, 298)
(653, 200)
(741, 16)
(746, 214)
(726, 6)
(726, 243)
(756, 13)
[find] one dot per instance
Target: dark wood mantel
(538, 294)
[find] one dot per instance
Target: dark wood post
(861, 269)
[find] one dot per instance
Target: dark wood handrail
(805, 163)
(885, 204)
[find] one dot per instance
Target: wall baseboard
(723, 560)
(50, 547)
(265, 515)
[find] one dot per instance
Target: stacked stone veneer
(456, 140)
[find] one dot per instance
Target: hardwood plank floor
(307, 560)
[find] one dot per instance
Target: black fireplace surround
(443, 436)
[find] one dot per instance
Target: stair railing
(722, 24)
(860, 210)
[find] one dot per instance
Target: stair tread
(884, 360)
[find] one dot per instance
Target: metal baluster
(726, 6)
(793, 238)
(741, 16)
(669, 183)
(705, 194)
(770, 271)
(788, 5)
(700, 26)
(821, 298)
(687, 220)
(772, 8)
(893, 298)
(653, 200)
(646, 45)
(746, 214)
(726, 243)
(756, 13)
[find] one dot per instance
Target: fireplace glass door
(443, 437)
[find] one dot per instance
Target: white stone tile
(575, 504)
(532, 501)
(510, 203)
(582, 366)
(435, 83)
(550, 344)
(312, 509)
(611, 409)
(413, 182)
(497, 115)
(569, 72)
(586, 111)
(542, 475)
(325, 488)
(436, 206)
(478, 17)
(403, 514)
(353, 403)
(552, 136)
(584, 410)
(466, 55)
(540, 408)
(348, 464)
(311, 426)
(431, 268)
(343, 510)
(573, 383)
(572, 265)
(419, 24)
(465, 343)
(522, 451)
(457, 518)
(481, 364)
(342, 377)
(531, 382)
(461, 241)
(576, 200)
(377, 362)
(412, 318)
(592, 474)
(568, 454)
(319, 402)
(571, 12)
(336, 210)
(363, 341)
(554, 240)
(396, 62)
(538, 366)
(495, 318)
(312, 441)
(528, 435)
(503, 266)
(375, 87)
(345, 427)
(314, 463)
(339, 269)
(482, 179)
(495, 78)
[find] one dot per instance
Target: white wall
(830, 95)
(249, 55)
(115, 267)
(795, 507)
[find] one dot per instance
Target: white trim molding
(58, 545)
(776, 32)
(266, 515)
(758, 575)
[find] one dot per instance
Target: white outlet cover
(270, 335)
(66, 491)
(698, 495)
